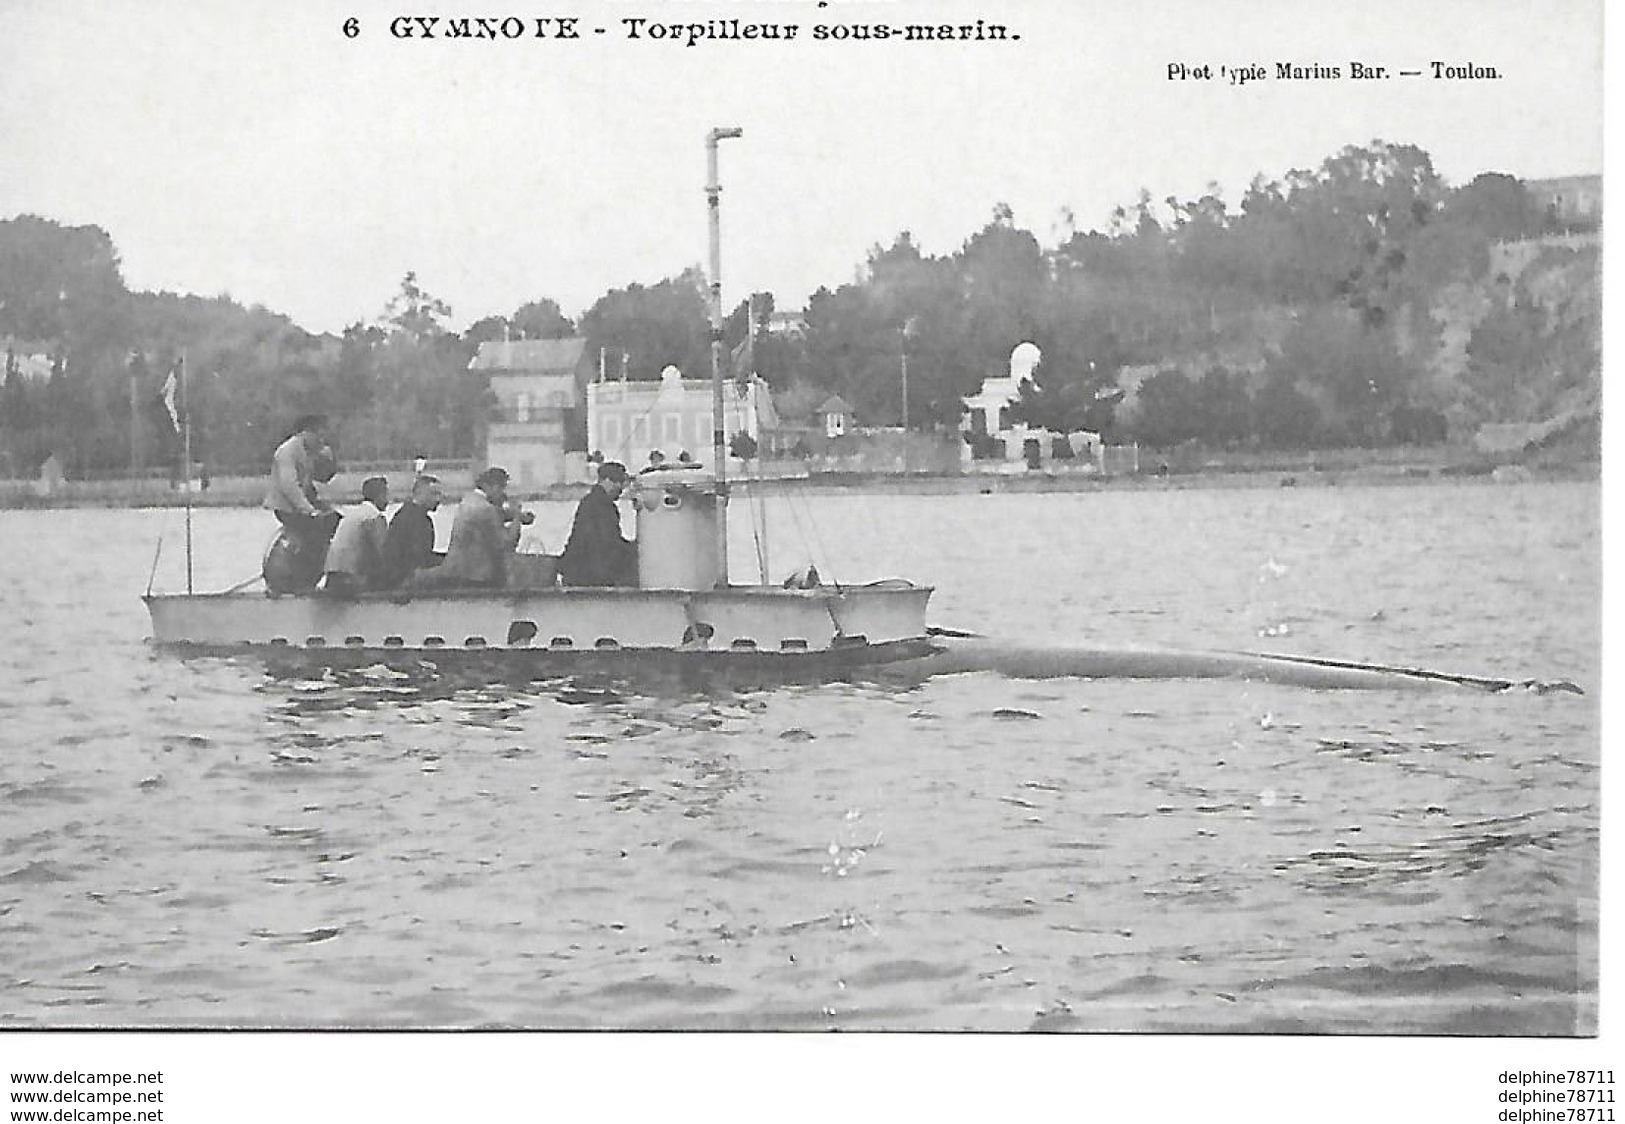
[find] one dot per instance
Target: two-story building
(1574, 201)
(536, 384)
(627, 420)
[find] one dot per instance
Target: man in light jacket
(484, 533)
(298, 464)
(355, 561)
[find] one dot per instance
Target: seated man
(483, 535)
(410, 545)
(355, 561)
(596, 553)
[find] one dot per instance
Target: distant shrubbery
(1308, 313)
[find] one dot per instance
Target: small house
(836, 416)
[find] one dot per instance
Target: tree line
(1308, 313)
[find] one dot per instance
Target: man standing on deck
(410, 545)
(596, 553)
(298, 464)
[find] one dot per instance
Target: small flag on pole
(170, 395)
(742, 359)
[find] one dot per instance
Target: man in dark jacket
(410, 545)
(596, 553)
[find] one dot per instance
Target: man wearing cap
(596, 553)
(355, 561)
(483, 534)
(298, 464)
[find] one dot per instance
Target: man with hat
(484, 533)
(596, 553)
(298, 465)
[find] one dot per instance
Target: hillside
(1521, 350)
(1505, 355)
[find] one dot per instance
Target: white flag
(171, 388)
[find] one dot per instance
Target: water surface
(211, 842)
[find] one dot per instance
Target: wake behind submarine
(960, 652)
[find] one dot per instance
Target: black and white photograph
(944, 545)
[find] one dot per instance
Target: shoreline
(248, 492)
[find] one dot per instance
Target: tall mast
(719, 440)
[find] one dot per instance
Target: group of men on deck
(368, 552)
(359, 550)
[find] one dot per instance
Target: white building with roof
(537, 388)
(836, 416)
(987, 412)
(987, 422)
(1568, 198)
(627, 420)
(31, 359)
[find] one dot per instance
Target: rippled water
(212, 842)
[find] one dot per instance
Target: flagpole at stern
(186, 469)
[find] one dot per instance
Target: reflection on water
(218, 841)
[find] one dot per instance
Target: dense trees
(1307, 315)
(649, 327)
(1314, 311)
